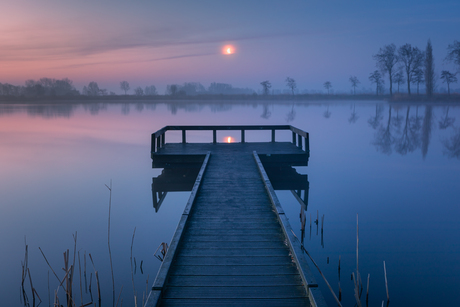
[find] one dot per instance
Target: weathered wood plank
(221, 232)
(267, 292)
(238, 280)
(259, 270)
(193, 237)
(280, 251)
(226, 260)
(292, 302)
(234, 244)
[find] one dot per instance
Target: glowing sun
(228, 49)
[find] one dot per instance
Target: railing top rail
(233, 127)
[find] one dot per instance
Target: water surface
(397, 166)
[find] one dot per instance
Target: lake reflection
(395, 165)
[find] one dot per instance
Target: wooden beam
(163, 272)
(293, 242)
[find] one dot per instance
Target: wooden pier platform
(233, 245)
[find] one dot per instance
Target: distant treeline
(404, 65)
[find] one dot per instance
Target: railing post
(163, 138)
(152, 143)
(214, 136)
(273, 135)
(242, 136)
(183, 137)
(300, 141)
(158, 142)
(293, 137)
(307, 143)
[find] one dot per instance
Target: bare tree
(453, 53)
(172, 89)
(429, 69)
(386, 60)
(417, 77)
(266, 85)
(290, 83)
(138, 91)
(376, 77)
(327, 85)
(92, 89)
(448, 77)
(150, 90)
(399, 78)
(124, 85)
(354, 83)
(412, 58)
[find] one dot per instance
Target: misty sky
(161, 42)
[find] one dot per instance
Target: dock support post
(293, 137)
(242, 136)
(183, 136)
(214, 136)
(273, 135)
(300, 141)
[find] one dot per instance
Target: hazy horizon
(160, 43)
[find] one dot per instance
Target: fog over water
(395, 165)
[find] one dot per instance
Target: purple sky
(163, 42)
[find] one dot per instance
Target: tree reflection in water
(446, 121)
(290, 116)
(266, 112)
(409, 139)
(327, 113)
(426, 129)
(374, 121)
(383, 138)
(354, 116)
(452, 145)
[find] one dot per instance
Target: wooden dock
(233, 245)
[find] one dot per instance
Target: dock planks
(233, 250)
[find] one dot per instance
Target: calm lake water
(397, 166)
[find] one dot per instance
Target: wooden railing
(300, 138)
